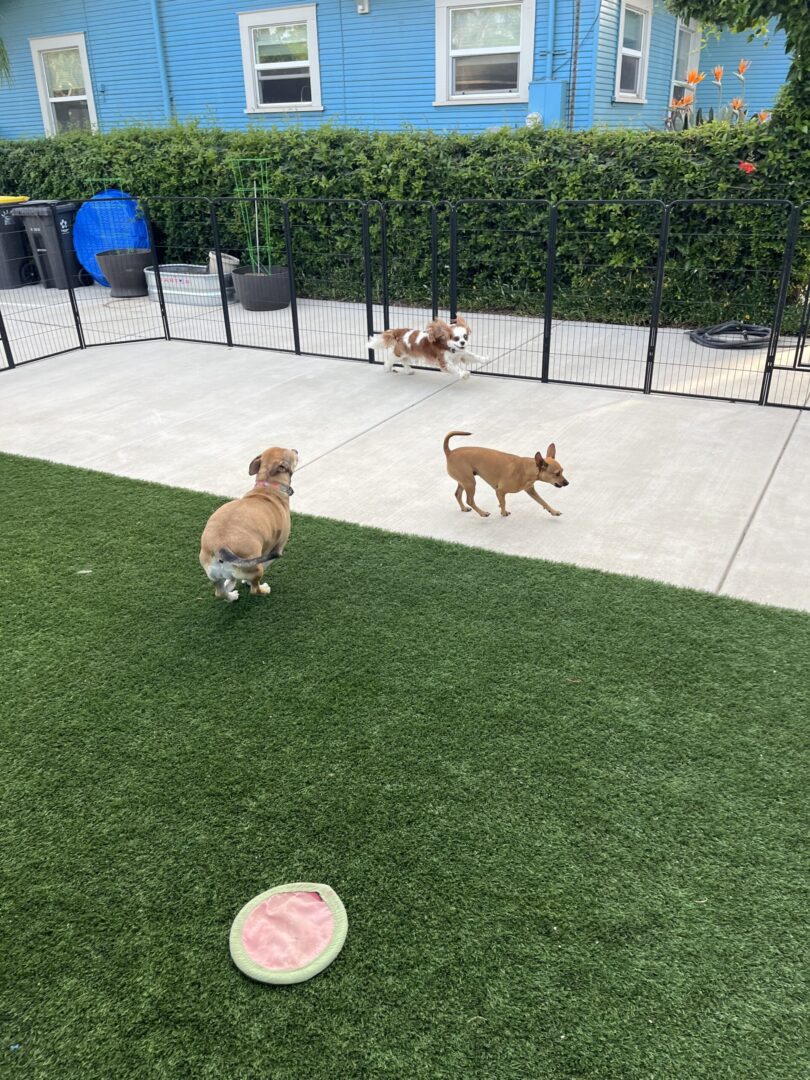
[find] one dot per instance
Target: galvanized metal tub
(184, 283)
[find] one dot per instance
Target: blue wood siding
(768, 71)
(121, 52)
(377, 70)
(567, 50)
(659, 71)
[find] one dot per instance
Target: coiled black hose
(717, 337)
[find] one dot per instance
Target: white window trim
(40, 45)
(645, 8)
(444, 67)
(250, 20)
(694, 53)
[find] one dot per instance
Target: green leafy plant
(604, 254)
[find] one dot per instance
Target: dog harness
(285, 489)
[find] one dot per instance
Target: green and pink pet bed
(289, 933)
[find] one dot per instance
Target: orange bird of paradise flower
(687, 99)
(694, 77)
(744, 66)
(763, 116)
(718, 74)
(737, 103)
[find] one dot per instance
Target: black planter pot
(124, 269)
(262, 291)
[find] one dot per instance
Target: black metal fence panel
(604, 299)
(498, 281)
(789, 381)
(332, 262)
(184, 282)
(112, 306)
(552, 292)
(37, 292)
(410, 279)
(739, 285)
(254, 245)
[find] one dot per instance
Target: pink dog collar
(285, 489)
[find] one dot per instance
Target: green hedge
(723, 262)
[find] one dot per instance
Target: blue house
(462, 65)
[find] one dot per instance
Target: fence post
(223, 290)
(794, 222)
(369, 285)
(655, 313)
(453, 262)
(156, 266)
(288, 245)
(548, 297)
(384, 266)
(74, 307)
(434, 262)
(6, 343)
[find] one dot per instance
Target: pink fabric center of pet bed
(288, 930)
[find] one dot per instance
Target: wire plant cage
(252, 186)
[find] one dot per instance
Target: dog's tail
(225, 562)
(450, 435)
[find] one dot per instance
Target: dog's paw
(264, 588)
(232, 595)
(406, 371)
(464, 374)
(506, 513)
(556, 513)
(466, 509)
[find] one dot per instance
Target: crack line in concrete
(757, 504)
(373, 427)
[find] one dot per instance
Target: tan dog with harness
(243, 536)
(507, 473)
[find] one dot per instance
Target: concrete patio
(703, 494)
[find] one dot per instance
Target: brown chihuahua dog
(507, 473)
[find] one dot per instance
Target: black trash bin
(51, 239)
(16, 263)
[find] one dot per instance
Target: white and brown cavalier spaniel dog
(441, 344)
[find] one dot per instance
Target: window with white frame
(280, 59)
(484, 51)
(63, 82)
(634, 50)
(687, 57)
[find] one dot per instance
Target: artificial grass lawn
(563, 809)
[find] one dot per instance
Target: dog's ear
(539, 460)
(437, 333)
(552, 451)
(461, 321)
(253, 468)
